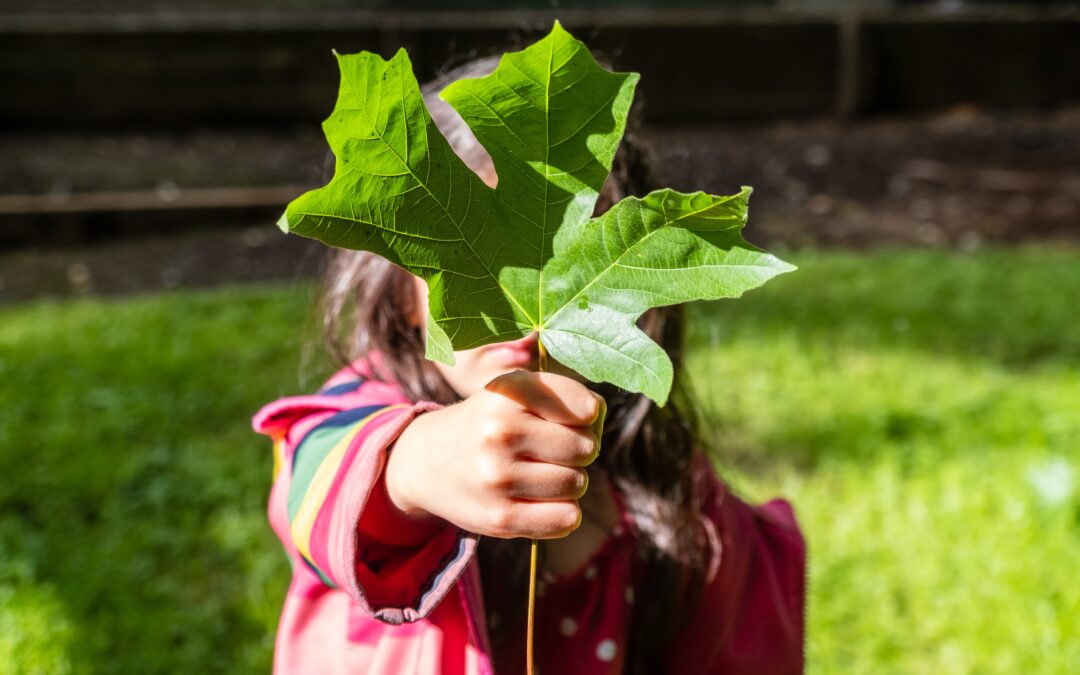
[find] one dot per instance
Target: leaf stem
(532, 608)
(534, 546)
(543, 356)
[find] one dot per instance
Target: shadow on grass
(1012, 307)
(858, 354)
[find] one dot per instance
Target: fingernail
(597, 426)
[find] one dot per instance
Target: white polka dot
(590, 572)
(605, 651)
(629, 595)
(568, 626)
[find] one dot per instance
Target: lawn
(921, 410)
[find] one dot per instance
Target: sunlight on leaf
(526, 255)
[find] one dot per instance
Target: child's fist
(506, 462)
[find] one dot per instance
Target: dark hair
(647, 450)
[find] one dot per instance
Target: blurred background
(914, 389)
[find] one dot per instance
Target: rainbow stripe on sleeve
(318, 462)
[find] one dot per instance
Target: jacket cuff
(393, 583)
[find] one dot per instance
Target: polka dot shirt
(583, 618)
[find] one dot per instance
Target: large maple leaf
(526, 255)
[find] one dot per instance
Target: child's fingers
(540, 481)
(560, 444)
(535, 520)
(553, 397)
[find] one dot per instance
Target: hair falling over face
(647, 450)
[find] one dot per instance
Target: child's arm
(330, 450)
(494, 464)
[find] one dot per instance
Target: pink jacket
(360, 602)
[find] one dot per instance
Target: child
(405, 490)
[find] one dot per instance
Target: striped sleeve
(329, 504)
(316, 464)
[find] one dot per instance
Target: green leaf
(527, 255)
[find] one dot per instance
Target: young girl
(405, 490)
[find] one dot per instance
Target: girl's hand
(506, 462)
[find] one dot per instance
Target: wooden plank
(150, 200)
(272, 68)
(311, 20)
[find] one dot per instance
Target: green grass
(920, 409)
(132, 534)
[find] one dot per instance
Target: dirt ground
(960, 179)
(957, 179)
